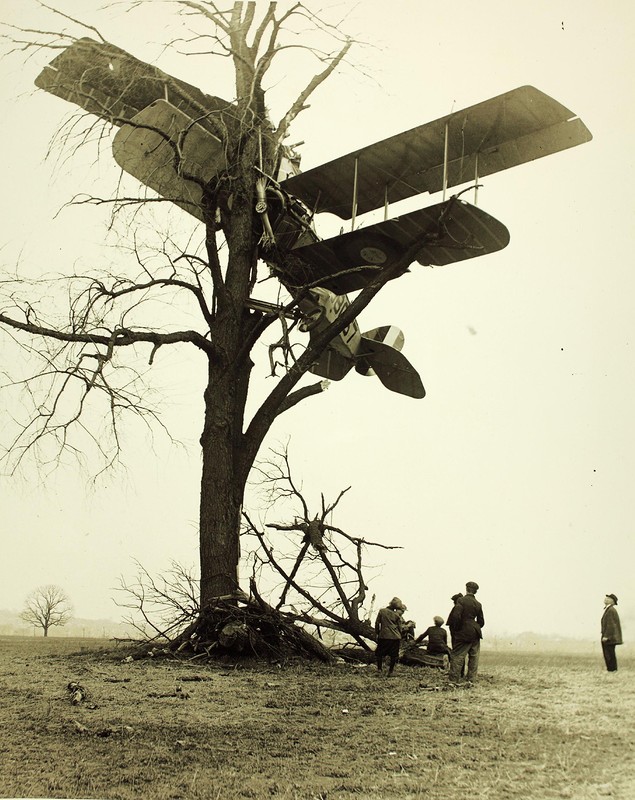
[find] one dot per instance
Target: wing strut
(476, 180)
(355, 190)
(445, 159)
(512, 129)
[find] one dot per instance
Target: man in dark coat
(389, 628)
(454, 623)
(467, 639)
(611, 632)
(454, 619)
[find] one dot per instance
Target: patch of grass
(531, 729)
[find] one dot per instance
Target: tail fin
(381, 356)
(388, 334)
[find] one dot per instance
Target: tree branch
(122, 337)
(300, 103)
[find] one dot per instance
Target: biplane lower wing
(447, 232)
(162, 146)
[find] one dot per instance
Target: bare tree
(47, 607)
(109, 316)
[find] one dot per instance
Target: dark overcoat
(388, 624)
(611, 628)
(437, 639)
(468, 613)
(454, 619)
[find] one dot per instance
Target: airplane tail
(388, 334)
(381, 356)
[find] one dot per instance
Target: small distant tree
(46, 607)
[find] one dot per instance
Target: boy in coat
(389, 628)
(437, 638)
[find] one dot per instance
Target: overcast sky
(517, 469)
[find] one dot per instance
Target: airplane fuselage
(321, 307)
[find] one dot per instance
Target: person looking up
(611, 632)
(467, 639)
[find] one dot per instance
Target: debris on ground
(79, 728)
(77, 692)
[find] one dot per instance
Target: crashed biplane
(158, 115)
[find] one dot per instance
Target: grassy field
(534, 727)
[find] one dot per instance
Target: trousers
(457, 659)
(390, 648)
(610, 659)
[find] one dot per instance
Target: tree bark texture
(223, 476)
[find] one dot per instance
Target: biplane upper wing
(505, 131)
(445, 233)
(114, 85)
(152, 109)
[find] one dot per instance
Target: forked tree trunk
(224, 474)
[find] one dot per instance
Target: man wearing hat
(611, 632)
(467, 639)
(454, 618)
(454, 623)
(388, 627)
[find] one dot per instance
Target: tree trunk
(224, 473)
(221, 491)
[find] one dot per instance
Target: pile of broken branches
(248, 626)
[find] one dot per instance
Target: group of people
(465, 622)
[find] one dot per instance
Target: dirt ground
(534, 727)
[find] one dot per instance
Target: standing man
(467, 639)
(454, 618)
(454, 623)
(388, 627)
(611, 632)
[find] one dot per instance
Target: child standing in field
(437, 638)
(389, 628)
